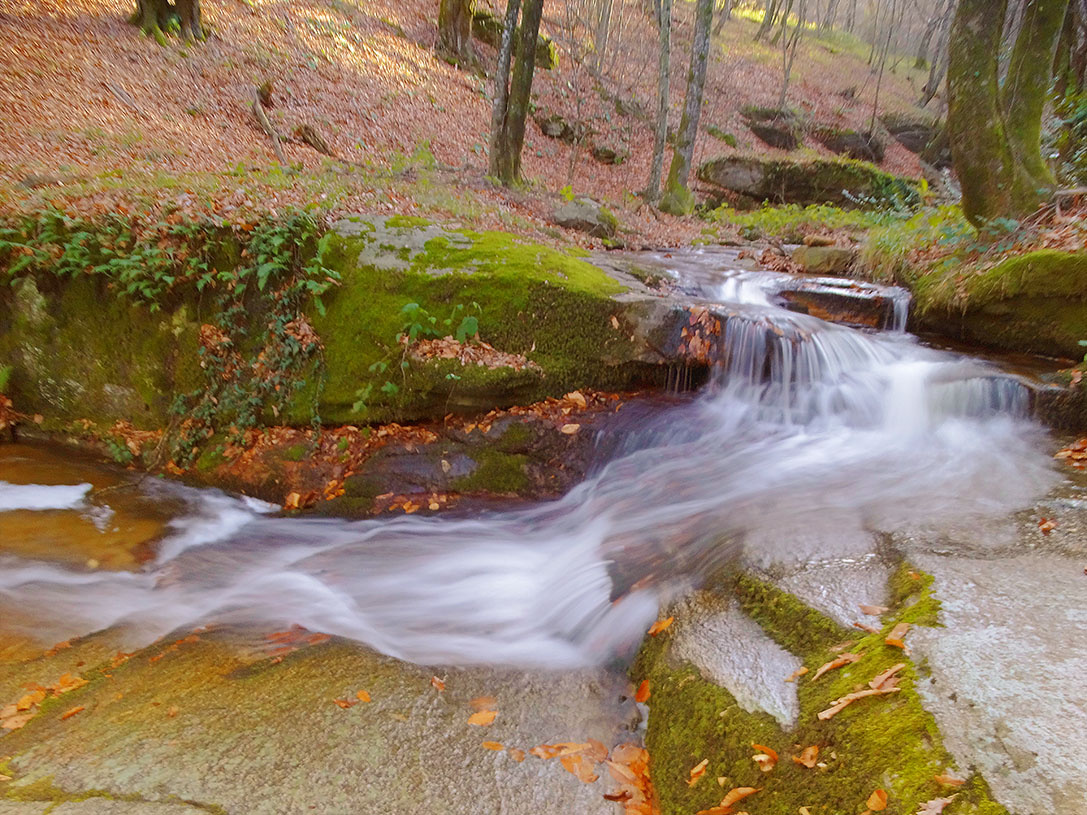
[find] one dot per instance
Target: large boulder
(488, 28)
(843, 183)
(913, 131)
(777, 128)
(587, 215)
(825, 260)
(850, 143)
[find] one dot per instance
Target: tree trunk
(455, 33)
(664, 73)
(678, 199)
(502, 90)
(939, 60)
(831, 16)
(603, 31)
(153, 17)
(513, 139)
(723, 17)
(1026, 87)
(189, 13)
(994, 184)
(924, 54)
(768, 19)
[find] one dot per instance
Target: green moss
(496, 473)
(887, 742)
(296, 452)
(406, 222)
(912, 594)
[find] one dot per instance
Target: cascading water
(803, 426)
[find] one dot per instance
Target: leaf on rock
(345, 703)
(795, 675)
(72, 712)
(517, 754)
(697, 771)
(494, 745)
(837, 662)
(30, 700)
(766, 758)
(642, 694)
(948, 780)
(883, 679)
(484, 703)
(437, 684)
(808, 756)
(873, 611)
(597, 751)
(482, 718)
(362, 696)
(579, 766)
(936, 805)
(660, 625)
(897, 636)
(877, 801)
(738, 794)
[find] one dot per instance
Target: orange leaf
(438, 684)
(660, 625)
(72, 712)
(837, 662)
(871, 629)
(697, 771)
(482, 718)
(766, 758)
(808, 756)
(517, 755)
(30, 700)
(873, 611)
(898, 635)
(494, 745)
(483, 703)
(738, 794)
(345, 703)
(597, 751)
(717, 810)
(68, 682)
(881, 680)
(799, 672)
(579, 766)
(949, 780)
(622, 773)
(362, 696)
(877, 801)
(642, 694)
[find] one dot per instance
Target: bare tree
(509, 138)
(664, 72)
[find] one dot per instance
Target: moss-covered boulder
(488, 28)
(844, 183)
(1035, 302)
(850, 143)
(589, 216)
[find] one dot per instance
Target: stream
(807, 435)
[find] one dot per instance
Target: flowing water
(806, 431)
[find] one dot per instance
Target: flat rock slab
(731, 650)
(220, 723)
(1007, 675)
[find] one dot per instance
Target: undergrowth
(790, 223)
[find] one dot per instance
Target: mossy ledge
(80, 347)
(888, 742)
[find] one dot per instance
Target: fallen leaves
(808, 757)
(580, 766)
(437, 684)
(731, 798)
(472, 352)
(1074, 455)
(15, 715)
(897, 637)
(660, 625)
(948, 780)
(1047, 525)
(884, 679)
(346, 704)
(935, 806)
(837, 662)
(362, 696)
(795, 675)
(642, 694)
(873, 611)
(482, 718)
(494, 745)
(877, 801)
(697, 771)
(838, 705)
(71, 712)
(766, 758)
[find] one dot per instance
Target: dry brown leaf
(804, 811)
(837, 662)
(738, 794)
(897, 637)
(1047, 525)
(808, 756)
(72, 712)
(949, 780)
(766, 757)
(570, 429)
(717, 810)
(482, 718)
(799, 672)
(483, 703)
(936, 805)
(494, 745)
(345, 703)
(660, 625)
(841, 704)
(873, 611)
(697, 771)
(30, 700)
(597, 751)
(881, 680)
(870, 629)
(622, 795)
(877, 801)
(579, 766)
(172, 711)
(17, 721)
(362, 696)
(68, 682)
(517, 754)
(642, 694)
(621, 773)
(578, 398)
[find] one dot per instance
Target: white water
(807, 426)
(36, 497)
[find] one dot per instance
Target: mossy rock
(488, 28)
(844, 183)
(1035, 302)
(889, 742)
(850, 143)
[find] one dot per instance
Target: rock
(488, 28)
(554, 126)
(861, 146)
(722, 135)
(777, 128)
(818, 240)
(586, 215)
(826, 260)
(609, 155)
(846, 184)
(915, 133)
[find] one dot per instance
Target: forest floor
(100, 119)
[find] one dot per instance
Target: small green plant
(5, 377)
